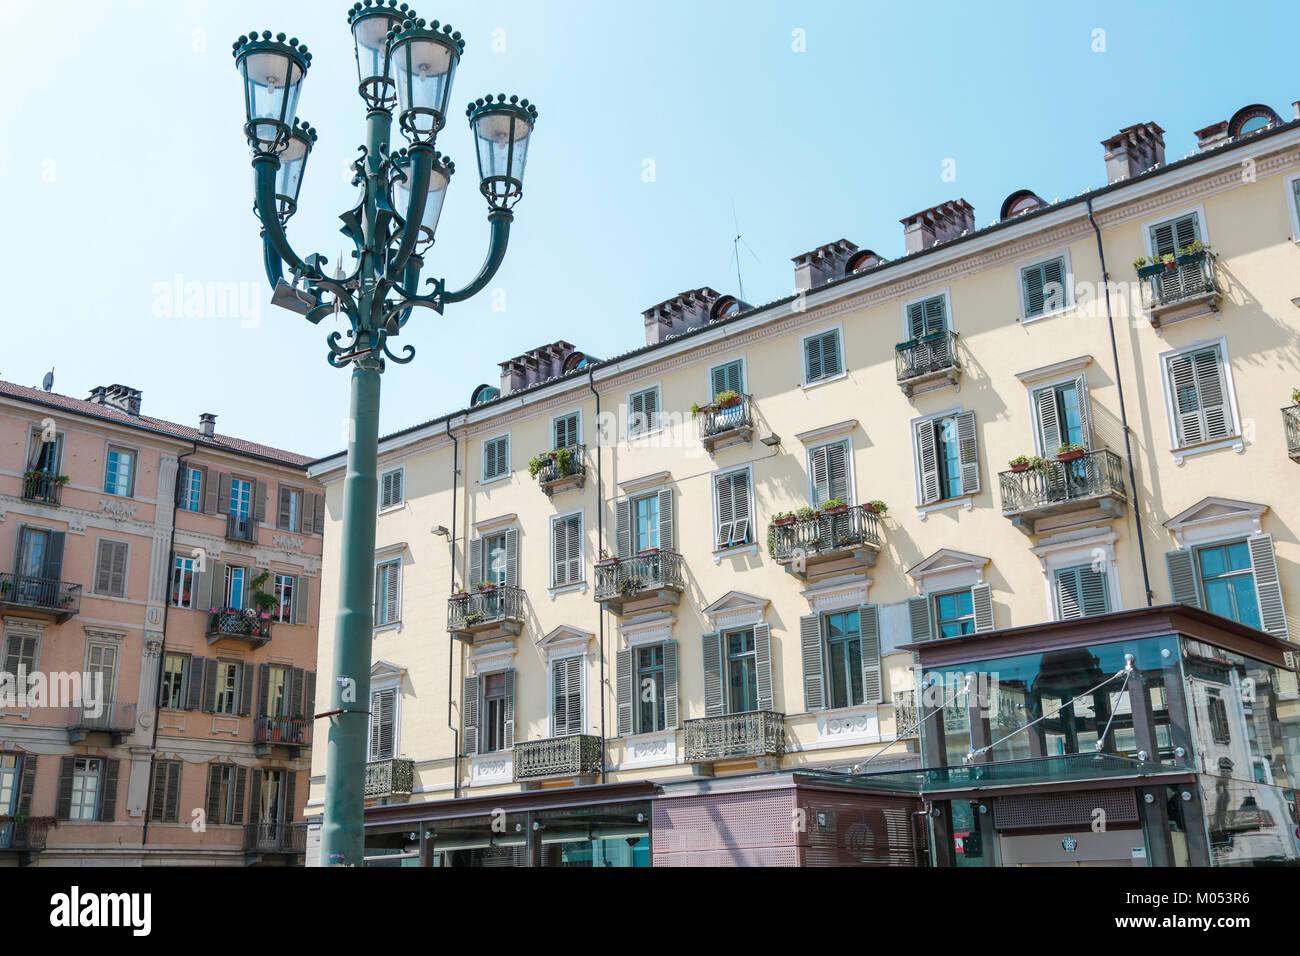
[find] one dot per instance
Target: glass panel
(742, 673)
(844, 657)
(650, 688)
(647, 522)
(946, 447)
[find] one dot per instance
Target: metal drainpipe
(162, 650)
(1123, 412)
(600, 537)
(451, 641)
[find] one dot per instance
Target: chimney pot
(823, 264)
(949, 220)
(207, 424)
(1134, 150)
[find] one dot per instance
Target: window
(46, 454)
(727, 378)
(649, 688)
(566, 550)
(226, 784)
(289, 516)
(390, 488)
(227, 687)
(241, 497)
(495, 561)
(645, 514)
(947, 457)
(954, 613)
(86, 774)
(495, 701)
(843, 638)
(1228, 579)
(1063, 415)
(566, 430)
(1081, 592)
(1293, 192)
(110, 571)
(1197, 386)
(383, 724)
(388, 592)
(234, 587)
(184, 575)
(731, 496)
(822, 357)
(20, 658)
(119, 475)
(643, 412)
(192, 490)
(828, 472)
(1220, 731)
(10, 770)
(271, 804)
(1043, 287)
(1168, 237)
(566, 696)
(285, 585)
(277, 691)
(165, 791)
(173, 682)
(496, 458)
(927, 317)
(742, 671)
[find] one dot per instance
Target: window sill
(1055, 313)
(823, 381)
(1236, 443)
(395, 626)
(646, 434)
(735, 551)
(965, 501)
(494, 479)
(383, 511)
(581, 587)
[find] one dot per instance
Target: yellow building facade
(651, 607)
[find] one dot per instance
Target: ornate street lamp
(406, 64)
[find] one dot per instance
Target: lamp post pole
(405, 63)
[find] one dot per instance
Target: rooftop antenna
(736, 243)
(48, 382)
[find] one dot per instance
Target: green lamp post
(406, 64)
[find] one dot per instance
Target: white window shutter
(1049, 426)
(968, 453)
(1268, 586)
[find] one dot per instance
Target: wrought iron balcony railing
(757, 733)
(387, 777)
(557, 468)
(61, 598)
(1097, 474)
(241, 527)
(905, 715)
(105, 717)
(721, 420)
(825, 533)
(485, 609)
(246, 623)
(636, 575)
(25, 835)
(930, 355)
(577, 755)
(1189, 277)
(275, 837)
(293, 731)
(1291, 419)
(42, 487)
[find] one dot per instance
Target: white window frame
(1198, 209)
(550, 437)
(932, 294)
(1058, 555)
(126, 573)
(484, 479)
(192, 569)
(17, 634)
(185, 486)
(1292, 204)
(109, 448)
(967, 498)
(807, 464)
(393, 683)
(1235, 441)
(293, 596)
(749, 477)
(581, 583)
(1068, 279)
(744, 371)
(838, 329)
(98, 776)
(401, 564)
(1038, 386)
(657, 388)
(401, 469)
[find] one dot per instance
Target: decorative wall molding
(647, 630)
(487, 769)
(736, 609)
(836, 593)
(649, 750)
(117, 507)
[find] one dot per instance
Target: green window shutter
(869, 639)
(1184, 584)
(475, 572)
(209, 685)
(509, 715)
(714, 705)
(566, 696)
(1184, 381)
(1268, 586)
(982, 600)
(241, 784)
(968, 453)
(918, 615)
(108, 785)
(623, 690)
(213, 808)
(812, 359)
(828, 465)
(469, 715)
(763, 666)
(667, 541)
(817, 472)
(1055, 295)
(245, 690)
(559, 553)
(623, 528)
(1167, 238)
(1081, 592)
(564, 432)
(263, 688)
(282, 510)
(728, 378)
(1049, 425)
(936, 319)
(916, 320)
(1069, 602)
(223, 493)
(740, 502)
(383, 709)
(810, 646)
(1212, 389)
(318, 514)
(512, 557)
(670, 685)
(1033, 280)
(832, 364)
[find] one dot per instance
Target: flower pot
(1150, 270)
(729, 403)
(784, 522)
(606, 562)
(1070, 456)
(835, 511)
(648, 552)
(1018, 469)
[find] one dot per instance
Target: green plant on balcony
(783, 518)
(1027, 463)
(834, 505)
(1194, 248)
(1295, 396)
(806, 514)
(486, 586)
(727, 399)
(564, 460)
(473, 617)
(1070, 451)
(630, 586)
(264, 602)
(877, 507)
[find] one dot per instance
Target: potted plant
(783, 518)
(845, 540)
(458, 593)
(277, 731)
(835, 506)
(1021, 463)
(727, 399)
(1072, 451)
(647, 552)
(1193, 252)
(564, 460)
(695, 409)
(486, 586)
(1148, 267)
(629, 586)
(1295, 396)
(472, 618)
(805, 513)
(606, 559)
(876, 507)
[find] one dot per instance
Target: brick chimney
(1134, 150)
(207, 424)
(823, 264)
(1216, 134)
(683, 312)
(122, 397)
(939, 223)
(538, 365)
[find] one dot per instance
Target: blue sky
(124, 168)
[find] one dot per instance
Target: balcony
(107, 717)
(1185, 289)
(725, 423)
(24, 836)
(927, 363)
(560, 469)
(386, 778)
(244, 624)
(281, 731)
(905, 715)
(841, 539)
(22, 592)
(492, 612)
(43, 487)
(647, 581)
(241, 528)
(577, 755)
(1090, 488)
(758, 733)
(1291, 419)
(275, 837)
